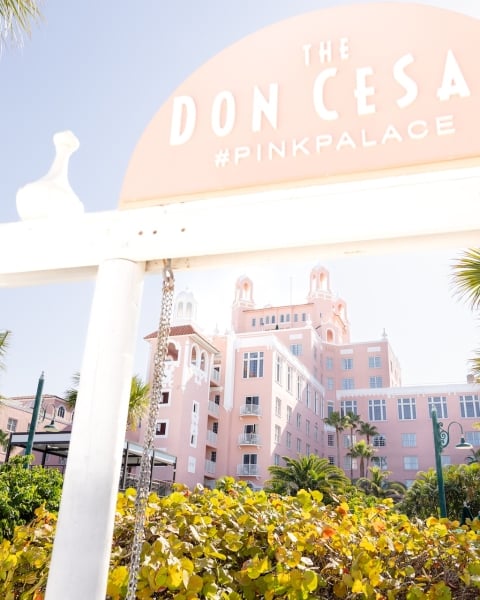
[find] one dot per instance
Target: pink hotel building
(234, 404)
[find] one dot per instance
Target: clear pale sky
(102, 69)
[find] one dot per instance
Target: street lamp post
(441, 438)
(36, 408)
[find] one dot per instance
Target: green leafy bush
(461, 483)
(23, 489)
(233, 543)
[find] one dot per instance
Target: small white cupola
(185, 308)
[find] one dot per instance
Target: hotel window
(277, 434)
(348, 383)
(349, 463)
(287, 318)
(377, 410)
(315, 432)
(379, 441)
(347, 364)
(331, 460)
(276, 459)
(299, 388)
(252, 364)
(254, 321)
(410, 463)
(473, 437)
(330, 383)
(161, 429)
(307, 396)
(330, 439)
(251, 400)
(348, 406)
(409, 440)
(61, 412)
(304, 316)
(289, 414)
(295, 317)
(376, 382)
(267, 320)
(380, 462)
(374, 362)
(289, 378)
(299, 445)
(407, 410)
(273, 319)
(12, 425)
(439, 403)
(329, 363)
(307, 449)
(278, 369)
(349, 440)
(282, 318)
(307, 427)
(299, 420)
(289, 440)
(446, 460)
(278, 407)
(330, 409)
(164, 398)
(296, 349)
(469, 406)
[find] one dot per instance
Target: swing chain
(147, 455)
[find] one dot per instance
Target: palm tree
(4, 439)
(307, 473)
(16, 18)
(352, 422)
(3, 346)
(474, 458)
(466, 280)
(380, 486)
(364, 452)
(137, 404)
(338, 422)
(368, 430)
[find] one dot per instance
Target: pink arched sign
(338, 93)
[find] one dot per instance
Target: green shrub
(23, 489)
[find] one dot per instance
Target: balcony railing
(211, 437)
(215, 375)
(247, 470)
(250, 409)
(210, 466)
(249, 438)
(213, 408)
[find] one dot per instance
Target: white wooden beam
(344, 218)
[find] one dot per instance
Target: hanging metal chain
(147, 455)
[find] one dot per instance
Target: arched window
(193, 358)
(61, 412)
(203, 361)
(330, 336)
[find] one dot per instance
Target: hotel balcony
(250, 409)
(247, 470)
(211, 438)
(210, 466)
(213, 408)
(249, 439)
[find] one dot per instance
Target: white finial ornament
(52, 196)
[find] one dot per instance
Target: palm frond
(17, 17)
(466, 277)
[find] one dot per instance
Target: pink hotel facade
(234, 404)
